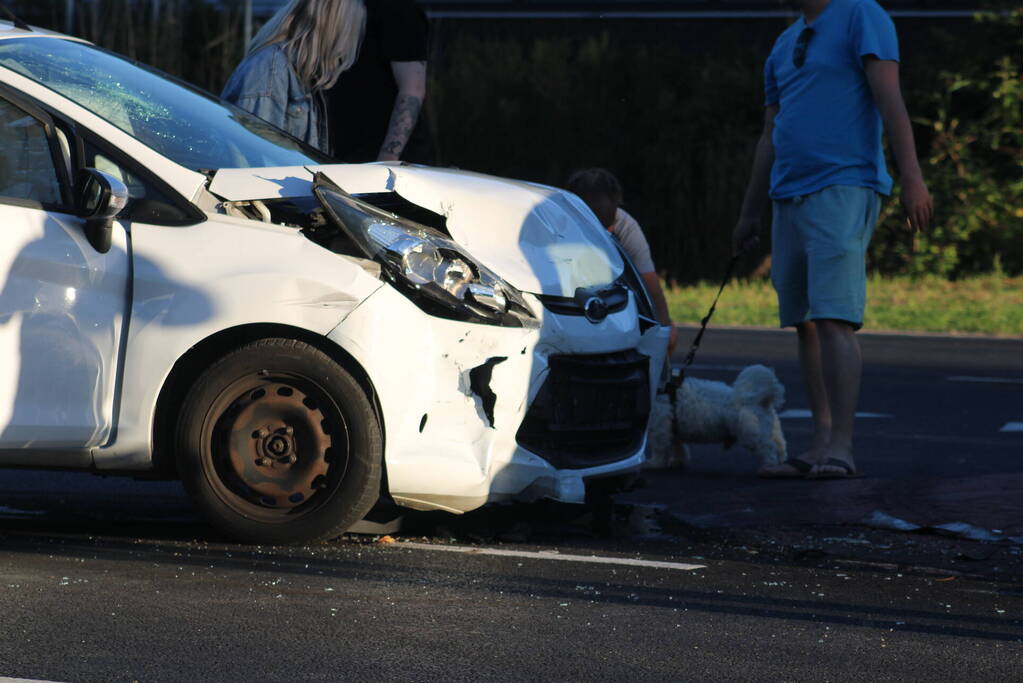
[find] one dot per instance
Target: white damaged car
(188, 292)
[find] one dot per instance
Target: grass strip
(987, 304)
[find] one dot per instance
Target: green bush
(971, 124)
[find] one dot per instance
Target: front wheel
(277, 443)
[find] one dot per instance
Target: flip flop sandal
(848, 471)
(801, 467)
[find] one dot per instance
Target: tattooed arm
(411, 79)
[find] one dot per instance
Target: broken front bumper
(478, 413)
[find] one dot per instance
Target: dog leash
(678, 375)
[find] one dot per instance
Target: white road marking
(4, 679)
(549, 555)
(798, 413)
(1012, 427)
(987, 380)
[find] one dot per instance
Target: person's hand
(672, 340)
(917, 202)
(746, 235)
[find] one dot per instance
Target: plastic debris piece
(970, 532)
(967, 531)
(386, 539)
(882, 520)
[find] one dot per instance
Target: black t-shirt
(359, 106)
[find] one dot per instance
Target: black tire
(278, 444)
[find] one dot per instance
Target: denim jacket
(266, 85)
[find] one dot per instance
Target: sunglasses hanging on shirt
(799, 52)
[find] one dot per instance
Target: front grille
(615, 297)
(591, 410)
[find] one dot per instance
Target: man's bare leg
(811, 365)
(842, 365)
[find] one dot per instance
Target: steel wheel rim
(274, 446)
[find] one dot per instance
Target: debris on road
(970, 532)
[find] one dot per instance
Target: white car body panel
(187, 289)
(62, 308)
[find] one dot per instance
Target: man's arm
(747, 228)
(883, 77)
(411, 79)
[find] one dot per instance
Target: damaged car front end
(535, 364)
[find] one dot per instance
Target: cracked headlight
(425, 265)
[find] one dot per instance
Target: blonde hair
(320, 37)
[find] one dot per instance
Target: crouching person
(602, 192)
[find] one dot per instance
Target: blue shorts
(819, 254)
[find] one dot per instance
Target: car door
(62, 304)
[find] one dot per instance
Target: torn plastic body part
(393, 202)
(882, 520)
(479, 384)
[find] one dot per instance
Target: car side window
(27, 169)
(95, 158)
(146, 202)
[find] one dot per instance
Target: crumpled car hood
(540, 239)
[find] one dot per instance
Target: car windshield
(183, 123)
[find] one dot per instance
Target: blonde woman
(298, 54)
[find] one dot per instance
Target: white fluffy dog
(712, 412)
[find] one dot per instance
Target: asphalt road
(115, 580)
(110, 608)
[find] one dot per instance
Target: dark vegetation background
(673, 107)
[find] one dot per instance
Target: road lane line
(799, 413)
(1012, 427)
(548, 555)
(987, 380)
(4, 679)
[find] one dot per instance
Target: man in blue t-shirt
(831, 83)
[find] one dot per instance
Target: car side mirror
(101, 197)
